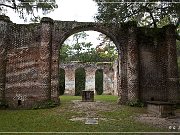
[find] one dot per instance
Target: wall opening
(99, 81)
(80, 78)
(85, 47)
(61, 81)
(19, 102)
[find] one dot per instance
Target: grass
(58, 119)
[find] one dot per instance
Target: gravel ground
(171, 123)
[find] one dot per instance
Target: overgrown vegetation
(99, 81)
(136, 103)
(3, 104)
(80, 77)
(45, 105)
(61, 81)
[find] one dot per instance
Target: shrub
(135, 103)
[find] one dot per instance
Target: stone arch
(90, 27)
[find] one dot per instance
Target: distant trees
(86, 52)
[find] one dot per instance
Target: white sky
(69, 10)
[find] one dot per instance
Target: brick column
(108, 81)
(132, 64)
(90, 79)
(172, 68)
(45, 57)
(55, 67)
(69, 81)
(3, 44)
(122, 78)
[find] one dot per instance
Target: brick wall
(29, 60)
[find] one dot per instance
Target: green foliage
(45, 105)
(84, 52)
(99, 81)
(61, 81)
(79, 81)
(30, 7)
(145, 12)
(135, 103)
(3, 104)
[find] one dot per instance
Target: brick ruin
(109, 76)
(29, 65)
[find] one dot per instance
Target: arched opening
(99, 81)
(80, 77)
(61, 81)
(79, 49)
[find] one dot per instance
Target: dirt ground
(171, 123)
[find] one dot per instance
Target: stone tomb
(87, 96)
(161, 109)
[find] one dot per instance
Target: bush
(45, 105)
(135, 103)
(3, 104)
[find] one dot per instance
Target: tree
(106, 49)
(148, 13)
(28, 7)
(84, 51)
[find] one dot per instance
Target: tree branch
(178, 22)
(7, 6)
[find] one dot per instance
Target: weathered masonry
(109, 76)
(29, 60)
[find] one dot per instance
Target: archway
(92, 56)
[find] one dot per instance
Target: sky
(69, 10)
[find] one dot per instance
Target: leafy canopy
(84, 51)
(28, 7)
(150, 13)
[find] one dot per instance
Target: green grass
(57, 119)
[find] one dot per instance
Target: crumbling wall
(90, 69)
(157, 59)
(29, 64)
(22, 67)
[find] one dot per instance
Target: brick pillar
(55, 68)
(122, 78)
(172, 68)
(3, 44)
(45, 57)
(115, 67)
(69, 81)
(90, 79)
(108, 81)
(132, 64)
